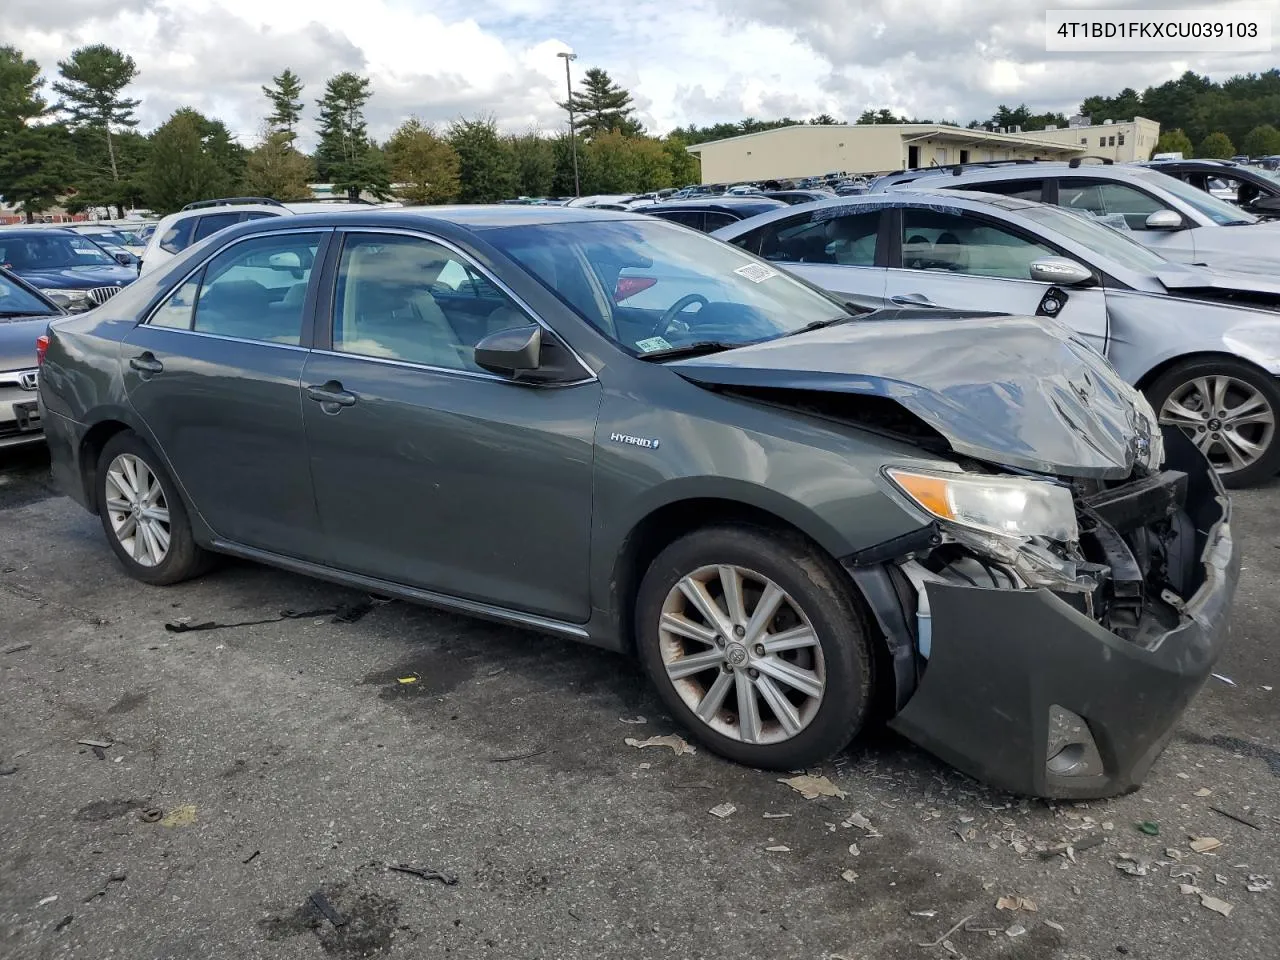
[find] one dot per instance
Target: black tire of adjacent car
(1268, 464)
(816, 583)
(184, 559)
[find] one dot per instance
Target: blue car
(70, 269)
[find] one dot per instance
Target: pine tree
(286, 104)
(92, 80)
(35, 169)
(423, 164)
(185, 162)
(345, 156)
(486, 168)
(602, 106)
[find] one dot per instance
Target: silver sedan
(1203, 345)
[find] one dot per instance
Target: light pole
(573, 133)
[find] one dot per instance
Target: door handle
(146, 363)
(912, 300)
(332, 393)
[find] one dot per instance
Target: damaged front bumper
(1029, 691)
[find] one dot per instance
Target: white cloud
(699, 61)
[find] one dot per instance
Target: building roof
(912, 131)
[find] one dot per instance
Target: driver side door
(967, 262)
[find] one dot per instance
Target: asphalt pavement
(245, 789)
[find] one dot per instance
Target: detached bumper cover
(1002, 659)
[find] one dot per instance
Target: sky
(694, 61)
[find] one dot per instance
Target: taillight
(630, 286)
(42, 347)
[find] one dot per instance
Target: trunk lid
(1023, 392)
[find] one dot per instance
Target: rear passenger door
(213, 374)
(835, 251)
(969, 262)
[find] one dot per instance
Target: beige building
(807, 151)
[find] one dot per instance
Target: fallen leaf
(1016, 903)
(853, 850)
(1216, 905)
(183, 816)
(1205, 844)
(678, 745)
(722, 810)
(413, 678)
(813, 787)
(849, 876)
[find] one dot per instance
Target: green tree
(1174, 141)
(535, 163)
(824, 120)
(602, 106)
(91, 178)
(93, 79)
(1262, 141)
(187, 162)
(35, 167)
(285, 96)
(1216, 146)
(345, 156)
(423, 165)
(20, 83)
(612, 165)
(487, 170)
(275, 169)
(684, 166)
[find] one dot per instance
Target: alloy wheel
(137, 509)
(1231, 422)
(742, 654)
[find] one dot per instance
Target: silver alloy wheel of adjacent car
(742, 654)
(1231, 421)
(137, 509)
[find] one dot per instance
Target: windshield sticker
(756, 272)
(652, 344)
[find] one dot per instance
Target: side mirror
(511, 352)
(124, 259)
(285, 260)
(1164, 220)
(1060, 271)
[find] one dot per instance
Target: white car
(196, 221)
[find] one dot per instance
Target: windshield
(650, 285)
(119, 238)
(1266, 174)
(51, 252)
(18, 302)
(1219, 211)
(1085, 229)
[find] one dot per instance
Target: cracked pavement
(287, 759)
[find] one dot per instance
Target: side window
(211, 224)
(1022, 189)
(176, 311)
(255, 289)
(177, 237)
(395, 299)
(966, 245)
(849, 240)
(714, 221)
(1103, 198)
(686, 218)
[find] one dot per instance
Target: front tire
(1230, 410)
(757, 644)
(143, 514)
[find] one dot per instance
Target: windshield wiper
(24, 313)
(690, 350)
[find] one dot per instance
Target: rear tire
(143, 515)
(778, 679)
(1230, 409)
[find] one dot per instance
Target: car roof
(1036, 171)
(32, 231)
(725, 202)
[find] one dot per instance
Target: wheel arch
(1145, 381)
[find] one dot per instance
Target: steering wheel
(669, 315)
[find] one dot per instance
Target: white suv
(195, 221)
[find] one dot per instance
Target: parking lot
(304, 756)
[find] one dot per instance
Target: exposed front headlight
(1010, 507)
(74, 300)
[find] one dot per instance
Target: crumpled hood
(79, 278)
(1023, 392)
(1178, 277)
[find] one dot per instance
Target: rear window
(178, 236)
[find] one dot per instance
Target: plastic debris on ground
(849, 876)
(1258, 883)
(1226, 680)
(811, 787)
(47, 900)
(1205, 844)
(778, 849)
(854, 851)
(924, 913)
(723, 810)
(1016, 930)
(862, 823)
(182, 816)
(633, 720)
(679, 746)
(1055, 926)
(1179, 872)
(412, 678)
(1216, 905)
(1016, 903)
(775, 816)
(1149, 827)
(1204, 792)
(1134, 866)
